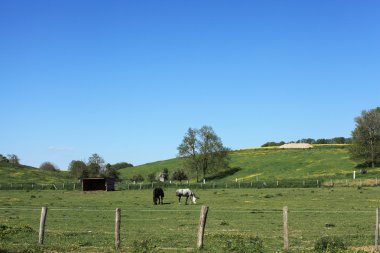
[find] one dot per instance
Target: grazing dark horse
(186, 193)
(158, 195)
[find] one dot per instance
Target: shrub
(331, 244)
(48, 166)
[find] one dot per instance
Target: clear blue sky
(126, 79)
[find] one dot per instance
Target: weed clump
(331, 244)
(143, 246)
(240, 244)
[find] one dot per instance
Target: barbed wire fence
(279, 229)
(296, 183)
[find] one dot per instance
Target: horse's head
(193, 199)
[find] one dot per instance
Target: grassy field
(25, 174)
(257, 164)
(327, 162)
(80, 221)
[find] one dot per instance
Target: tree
(112, 172)
(152, 177)
(95, 165)
(94, 170)
(366, 137)
(188, 149)
(97, 159)
(203, 151)
(179, 175)
(48, 166)
(78, 169)
(13, 159)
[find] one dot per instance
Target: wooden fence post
(42, 225)
(202, 224)
(286, 228)
(117, 228)
(377, 230)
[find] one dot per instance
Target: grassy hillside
(10, 173)
(274, 164)
(327, 162)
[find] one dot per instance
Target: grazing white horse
(186, 193)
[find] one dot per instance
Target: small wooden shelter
(98, 184)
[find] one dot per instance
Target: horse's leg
(155, 200)
(179, 199)
(186, 199)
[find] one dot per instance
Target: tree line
(336, 140)
(96, 167)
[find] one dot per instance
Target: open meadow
(84, 221)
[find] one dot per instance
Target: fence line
(287, 218)
(296, 183)
(298, 210)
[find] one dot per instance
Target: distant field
(325, 161)
(84, 222)
(24, 174)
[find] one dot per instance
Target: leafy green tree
(78, 169)
(366, 137)
(179, 175)
(96, 159)
(203, 151)
(112, 172)
(94, 170)
(95, 165)
(152, 177)
(189, 151)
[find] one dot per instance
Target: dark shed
(98, 184)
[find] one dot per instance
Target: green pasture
(323, 162)
(10, 173)
(84, 221)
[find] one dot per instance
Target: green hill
(21, 174)
(323, 161)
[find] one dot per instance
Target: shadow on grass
(223, 174)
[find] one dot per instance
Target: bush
(48, 166)
(331, 244)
